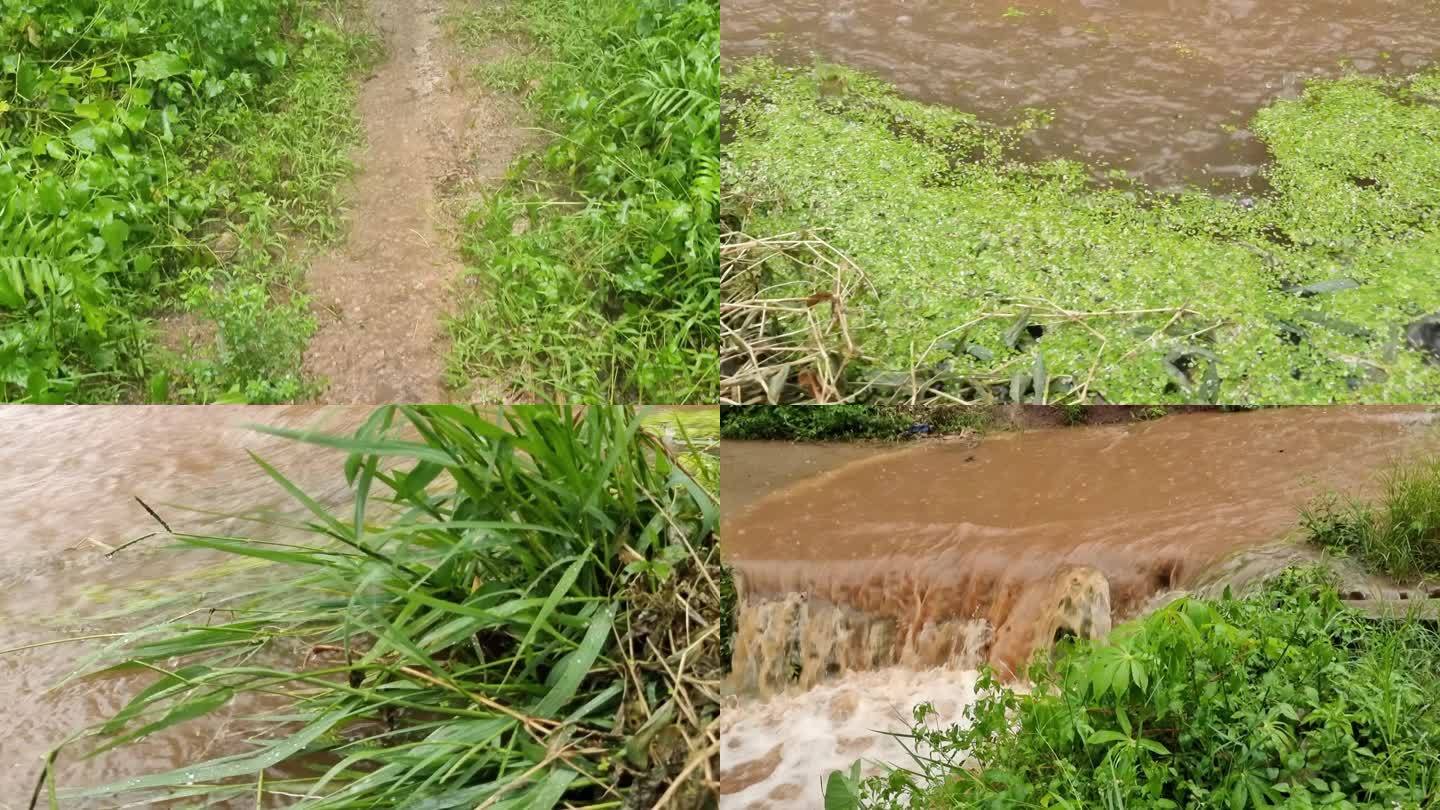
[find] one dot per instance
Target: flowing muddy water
(873, 578)
(67, 494)
(1163, 89)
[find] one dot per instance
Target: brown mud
(1164, 90)
(933, 537)
(381, 296)
(69, 480)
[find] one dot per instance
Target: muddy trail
(1162, 90)
(430, 134)
(874, 578)
(68, 493)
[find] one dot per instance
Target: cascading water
(873, 579)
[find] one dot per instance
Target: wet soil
(381, 296)
(1160, 89)
(69, 479)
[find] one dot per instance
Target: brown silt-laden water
(1159, 88)
(69, 480)
(876, 577)
(940, 534)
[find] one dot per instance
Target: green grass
(846, 422)
(980, 261)
(157, 158)
(1284, 698)
(1397, 535)
(517, 613)
(610, 288)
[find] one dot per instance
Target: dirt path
(380, 297)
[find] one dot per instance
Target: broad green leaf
(161, 65)
(1105, 736)
(838, 793)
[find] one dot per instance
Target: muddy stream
(69, 478)
(873, 577)
(1163, 89)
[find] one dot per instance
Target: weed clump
(1398, 535)
(152, 156)
(603, 283)
(996, 278)
(847, 422)
(1284, 698)
(519, 613)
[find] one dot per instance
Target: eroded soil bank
(68, 486)
(1163, 91)
(381, 297)
(875, 577)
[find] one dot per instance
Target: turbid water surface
(1159, 88)
(875, 577)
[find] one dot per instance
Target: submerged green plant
(1397, 535)
(473, 634)
(1284, 698)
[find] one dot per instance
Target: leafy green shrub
(614, 297)
(1282, 699)
(1399, 535)
(127, 129)
(499, 623)
(843, 422)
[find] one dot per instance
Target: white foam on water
(810, 734)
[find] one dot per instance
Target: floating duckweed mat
(534, 623)
(999, 278)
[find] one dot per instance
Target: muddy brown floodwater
(381, 296)
(1163, 89)
(874, 578)
(68, 482)
(958, 531)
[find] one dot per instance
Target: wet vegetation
(1397, 535)
(1284, 698)
(155, 160)
(515, 615)
(846, 422)
(597, 260)
(979, 276)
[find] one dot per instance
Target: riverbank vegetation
(847, 422)
(597, 260)
(902, 251)
(1397, 535)
(1284, 698)
(160, 166)
(521, 614)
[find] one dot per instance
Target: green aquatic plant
(1396, 534)
(141, 173)
(995, 277)
(1284, 698)
(517, 611)
(604, 282)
